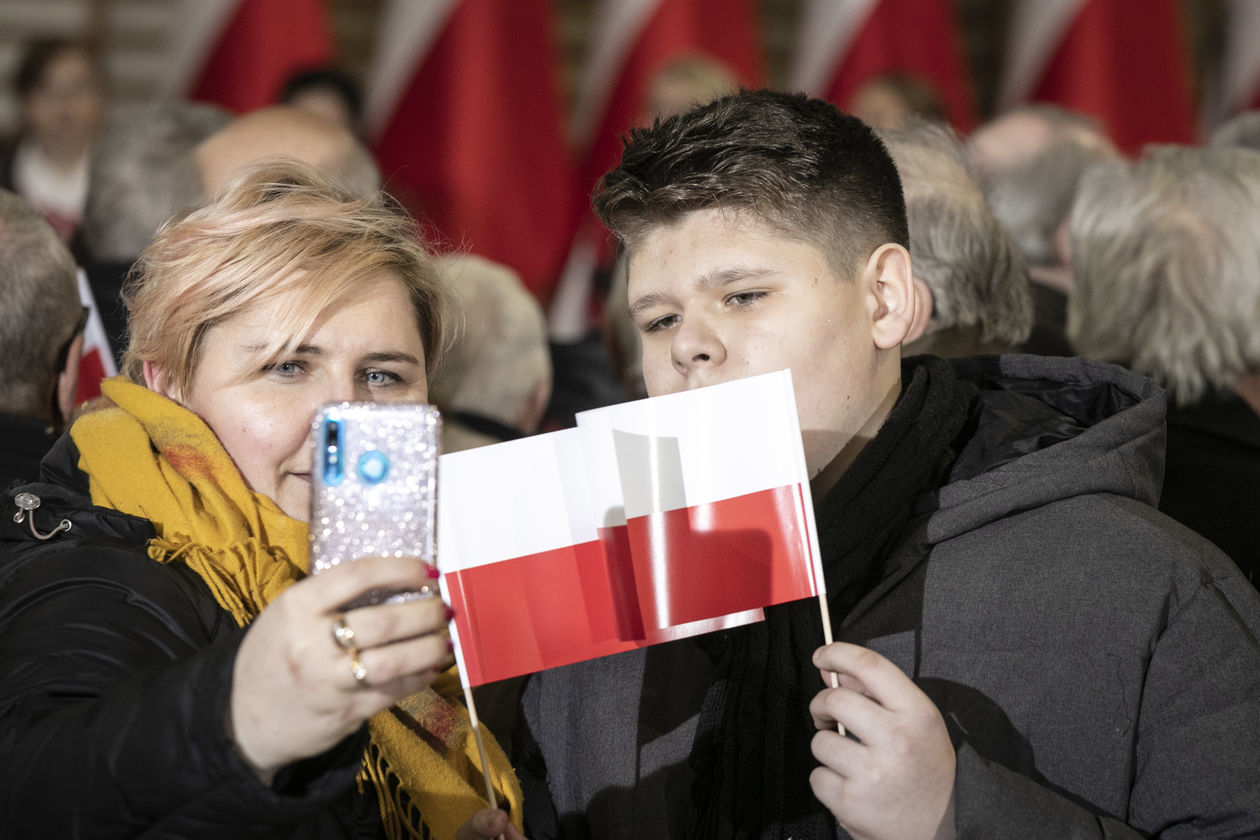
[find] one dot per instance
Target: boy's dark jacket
(1097, 664)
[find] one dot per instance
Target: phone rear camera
(373, 467)
(332, 470)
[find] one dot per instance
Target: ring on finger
(358, 669)
(343, 633)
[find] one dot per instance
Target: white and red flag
(97, 361)
(1122, 61)
(844, 43)
(652, 520)
(463, 109)
(239, 53)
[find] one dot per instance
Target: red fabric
(602, 597)
(264, 43)
(1124, 61)
(726, 30)
(920, 37)
(475, 143)
(91, 372)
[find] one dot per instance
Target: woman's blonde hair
(278, 229)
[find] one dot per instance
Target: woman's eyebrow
(391, 356)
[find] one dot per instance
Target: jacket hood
(1044, 429)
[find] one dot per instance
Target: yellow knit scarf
(150, 457)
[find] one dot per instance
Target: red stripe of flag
(601, 597)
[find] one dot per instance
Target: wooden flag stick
(827, 639)
(481, 748)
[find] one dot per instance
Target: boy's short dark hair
(797, 164)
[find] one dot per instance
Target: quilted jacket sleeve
(114, 680)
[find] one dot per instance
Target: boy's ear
(894, 301)
(156, 379)
(922, 311)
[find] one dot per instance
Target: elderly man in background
(1166, 253)
(968, 271)
(496, 378)
(1029, 162)
(41, 337)
(156, 160)
(286, 131)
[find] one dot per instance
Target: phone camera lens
(332, 453)
(373, 467)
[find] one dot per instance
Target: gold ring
(357, 668)
(342, 633)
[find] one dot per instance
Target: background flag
(463, 106)
(239, 53)
(844, 43)
(651, 521)
(97, 362)
(1123, 61)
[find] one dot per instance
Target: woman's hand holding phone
(296, 690)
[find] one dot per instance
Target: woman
(168, 667)
(61, 95)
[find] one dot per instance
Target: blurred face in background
(62, 112)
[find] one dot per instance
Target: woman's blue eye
(381, 377)
(284, 369)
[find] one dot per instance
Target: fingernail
(450, 613)
(817, 653)
(433, 572)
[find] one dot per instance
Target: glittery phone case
(374, 477)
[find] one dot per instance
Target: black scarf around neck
(751, 760)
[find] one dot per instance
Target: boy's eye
(657, 324)
(745, 298)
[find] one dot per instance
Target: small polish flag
(651, 521)
(97, 361)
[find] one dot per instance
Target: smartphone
(374, 481)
